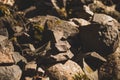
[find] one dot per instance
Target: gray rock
(10, 72)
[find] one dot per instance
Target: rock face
(101, 36)
(10, 72)
(65, 71)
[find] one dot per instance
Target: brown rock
(10, 72)
(6, 50)
(62, 56)
(65, 71)
(101, 37)
(31, 65)
(28, 78)
(62, 46)
(80, 22)
(45, 78)
(40, 71)
(8, 2)
(111, 69)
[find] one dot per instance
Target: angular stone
(10, 72)
(64, 71)
(17, 58)
(62, 56)
(40, 71)
(56, 33)
(31, 66)
(62, 46)
(55, 24)
(80, 22)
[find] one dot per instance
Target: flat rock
(10, 72)
(62, 56)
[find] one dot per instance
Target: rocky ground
(59, 40)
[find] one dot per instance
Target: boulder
(101, 36)
(55, 24)
(64, 71)
(10, 72)
(111, 69)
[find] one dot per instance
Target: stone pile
(59, 40)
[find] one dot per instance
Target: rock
(56, 37)
(102, 38)
(45, 78)
(111, 69)
(30, 67)
(28, 78)
(105, 19)
(4, 32)
(8, 2)
(64, 71)
(62, 56)
(10, 72)
(87, 9)
(18, 58)
(6, 51)
(92, 75)
(62, 46)
(80, 21)
(55, 24)
(40, 71)
(94, 60)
